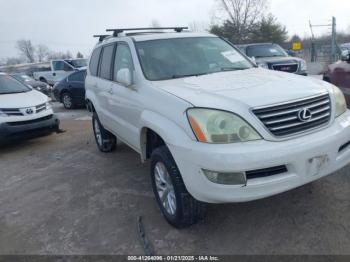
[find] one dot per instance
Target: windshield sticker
(232, 56)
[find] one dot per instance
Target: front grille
(285, 119)
(271, 171)
(40, 108)
(11, 111)
(20, 123)
(290, 68)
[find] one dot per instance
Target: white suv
(215, 127)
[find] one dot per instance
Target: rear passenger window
(95, 57)
(77, 77)
(106, 62)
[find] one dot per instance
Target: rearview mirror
(345, 55)
(124, 77)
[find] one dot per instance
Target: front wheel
(106, 142)
(178, 207)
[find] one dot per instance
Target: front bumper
(297, 155)
(10, 131)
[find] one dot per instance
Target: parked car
(339, 74)
(71, 90)
(272, 56)
(215, 127)
(24, 112)
(37, 85)
(60, 69)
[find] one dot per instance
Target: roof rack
(101, 37)
(121, 30)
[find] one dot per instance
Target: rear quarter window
(106, 62)
(95, 57)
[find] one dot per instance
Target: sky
(69, 24)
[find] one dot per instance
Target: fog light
(238, 178)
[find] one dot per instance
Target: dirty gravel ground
(60, 195)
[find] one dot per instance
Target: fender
(171, 132)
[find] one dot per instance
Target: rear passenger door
(76, 85)
(104, 85)
(123, 100)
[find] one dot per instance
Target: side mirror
(345, 55)
(124, 77)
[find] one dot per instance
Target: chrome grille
(40, 108)
(11, 111)
(290, 68)
(286, 119)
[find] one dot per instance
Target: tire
(180, 209)
(43, 80)
(106, 142)
(67, 101)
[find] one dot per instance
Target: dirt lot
(60, 195)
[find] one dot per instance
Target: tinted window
(123, 59)
(77, 63)
(183, 57)
(95, 57)
(67, 67)
(77, 77)
(58, 65)
(106, 62)
(9, 85)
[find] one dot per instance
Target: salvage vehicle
(71, 90)
(339, 74)
(37, 85)
(272, 56)
(60, 69)
(215, 127)
(24, 112)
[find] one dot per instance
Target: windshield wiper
(188, 75)
(224, 69)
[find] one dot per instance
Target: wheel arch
(159, 130)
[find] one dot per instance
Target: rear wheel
(178, 207)
(106, 142)
(67, 101)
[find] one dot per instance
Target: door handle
(54, 74)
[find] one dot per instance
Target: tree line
(29, 53)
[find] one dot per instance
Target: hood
(35, 83)
(280, 59)
(22, 100)
(253, 87)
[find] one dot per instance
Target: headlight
(340, 103)
(220, 127)
(48, 106)
(263, 65)
(303, 65)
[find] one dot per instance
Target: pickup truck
(60, 69)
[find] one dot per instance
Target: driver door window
(58, 65)
(123, 59)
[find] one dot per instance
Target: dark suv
(272, 56)
(339, 75)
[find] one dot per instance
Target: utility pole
(334, 40)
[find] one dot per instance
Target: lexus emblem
(304, 115)
(29, 111)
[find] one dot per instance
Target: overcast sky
(69, 24)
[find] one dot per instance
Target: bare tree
(26, 49)
(243, 14)
(80, 55)
(42, 52)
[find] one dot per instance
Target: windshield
(183, 57)
(23, 78)
(9, 85)
(77, 63)
(268, 50)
